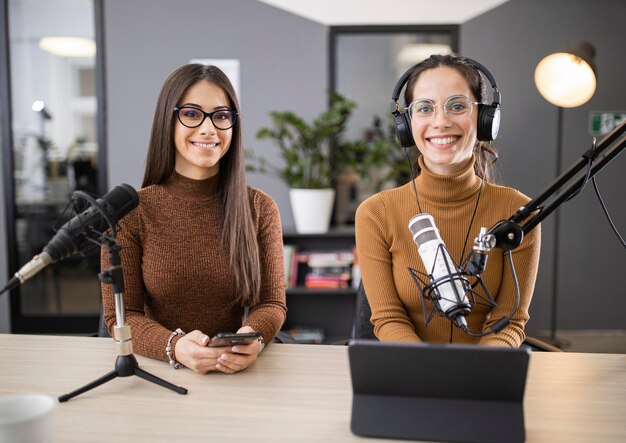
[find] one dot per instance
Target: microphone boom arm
(508, 234)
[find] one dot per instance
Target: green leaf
(314, 153)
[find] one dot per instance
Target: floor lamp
(566, 79)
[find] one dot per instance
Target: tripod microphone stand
(126, 363)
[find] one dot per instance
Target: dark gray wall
(510, 40)
(282, 58)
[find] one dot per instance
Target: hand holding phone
(231, 339)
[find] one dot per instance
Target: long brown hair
(239, 238)
(486, 154)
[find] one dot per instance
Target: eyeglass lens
(455, 106)
(193, 117)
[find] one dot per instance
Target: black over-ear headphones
(488, 115)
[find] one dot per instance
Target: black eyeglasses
(193, 117)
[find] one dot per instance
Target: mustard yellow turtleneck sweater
(386, 249)
(176, 274)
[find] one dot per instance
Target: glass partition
(55, 151)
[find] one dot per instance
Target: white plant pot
(312, 209)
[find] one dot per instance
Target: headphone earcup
(403, 129)
(488, 122)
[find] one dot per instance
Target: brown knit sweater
(176, 275)
(386, 249)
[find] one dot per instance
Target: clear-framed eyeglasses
(455, 107)
(193, 117)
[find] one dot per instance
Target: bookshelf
(330, 310)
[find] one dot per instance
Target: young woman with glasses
(202, 253)
(454, 184)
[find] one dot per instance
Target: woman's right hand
(191, 350)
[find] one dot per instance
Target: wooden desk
(293, 393)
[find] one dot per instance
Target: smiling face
(199, 150)
(446, 141)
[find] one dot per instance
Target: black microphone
(76, 235)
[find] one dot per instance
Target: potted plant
(309, 163)
(371, 164)
(381, 162)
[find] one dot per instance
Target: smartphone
(230, 339)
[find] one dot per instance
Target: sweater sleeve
(526, 263)
(269, 314)
(149, 337)
(389, 317)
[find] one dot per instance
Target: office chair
(103, 331)
(281, 337)
(363, 328)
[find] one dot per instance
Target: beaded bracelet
(261, 343)
(168, 349)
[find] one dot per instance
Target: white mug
(26, 418)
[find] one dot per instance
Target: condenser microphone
(79, 232)
(447, 283)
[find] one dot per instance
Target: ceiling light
(69, 46)
(416, 52)
(40, 107)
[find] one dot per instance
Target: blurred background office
(80, 119)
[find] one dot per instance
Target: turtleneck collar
(449, 188)
(190, 189)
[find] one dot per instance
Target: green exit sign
(603, 122)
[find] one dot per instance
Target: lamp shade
(567, 78)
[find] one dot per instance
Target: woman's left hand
(239, 357)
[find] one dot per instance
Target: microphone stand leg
(89, 386)
(159, 381)
(125, 366)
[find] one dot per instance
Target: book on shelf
(328, 259)
(288, 251)
(320, 269)
(326, 281)
(291, 265)
(356, 271)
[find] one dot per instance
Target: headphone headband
(488, 115)
(396, 91)
(492, 81)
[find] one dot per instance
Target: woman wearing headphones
(202, 253)
(450, 125)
